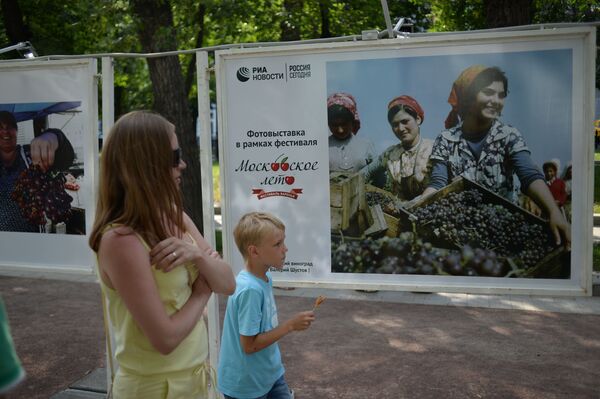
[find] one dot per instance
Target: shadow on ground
(355, 349)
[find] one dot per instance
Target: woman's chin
(490, 114)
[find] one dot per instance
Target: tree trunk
(189, 77)
(324, 9)
(16, 30)
(157, 34)
(290, 25)
(501, 13)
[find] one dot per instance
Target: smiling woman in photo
(478, 146)
(50, 152)
(403, 168)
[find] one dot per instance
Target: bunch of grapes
(42, 196)
(407, 254)
(463, 218)
(475, 262)
(355, 256)
(388, 205)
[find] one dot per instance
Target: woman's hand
(173, 252)
(540, 193)
(43, 149)
(213, 254)
(560, 228)
(531, 206)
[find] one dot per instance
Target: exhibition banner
(450, 163)
(48, 122)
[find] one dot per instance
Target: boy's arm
(255, 343)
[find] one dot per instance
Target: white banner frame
(56, 254)
(208, 214)
(580, 282)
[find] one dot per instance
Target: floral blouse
(493, 169)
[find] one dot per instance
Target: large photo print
(455, 165)
(42, 169)
(425, 164)
(49, 151)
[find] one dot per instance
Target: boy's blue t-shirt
(250, 311)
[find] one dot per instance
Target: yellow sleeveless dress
(142, 371)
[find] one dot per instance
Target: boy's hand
(301, 321)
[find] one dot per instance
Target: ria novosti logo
(243, 74)
(289, 72)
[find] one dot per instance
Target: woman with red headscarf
(478, 146)
(347, 152)
(403, 168)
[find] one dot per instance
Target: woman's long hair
(136, 185)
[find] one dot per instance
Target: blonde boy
(250, 364)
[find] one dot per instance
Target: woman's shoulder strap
(124, 230)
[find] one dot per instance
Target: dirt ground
(355, 349)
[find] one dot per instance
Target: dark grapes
(42, 196)
(408, 254)
(464, 218)
(388, 204)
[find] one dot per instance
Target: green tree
(458, 15)
(167, 84)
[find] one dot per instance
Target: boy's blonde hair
(252, 229)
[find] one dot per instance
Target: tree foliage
(112, 26)
(98, 26)
(457, 15)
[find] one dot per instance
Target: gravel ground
(355, 349)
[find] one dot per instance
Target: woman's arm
(534, 186)
(125, 266)
(373, 171)
(52, 150)
(438, 178)
(217, 272)
(539, 192)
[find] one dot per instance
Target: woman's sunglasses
(176, 157)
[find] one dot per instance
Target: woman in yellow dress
(155, 268)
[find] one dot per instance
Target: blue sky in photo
(539, 102)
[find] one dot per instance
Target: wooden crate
(461, 184)
(346, 197)
(545, 266)
(395, 223)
